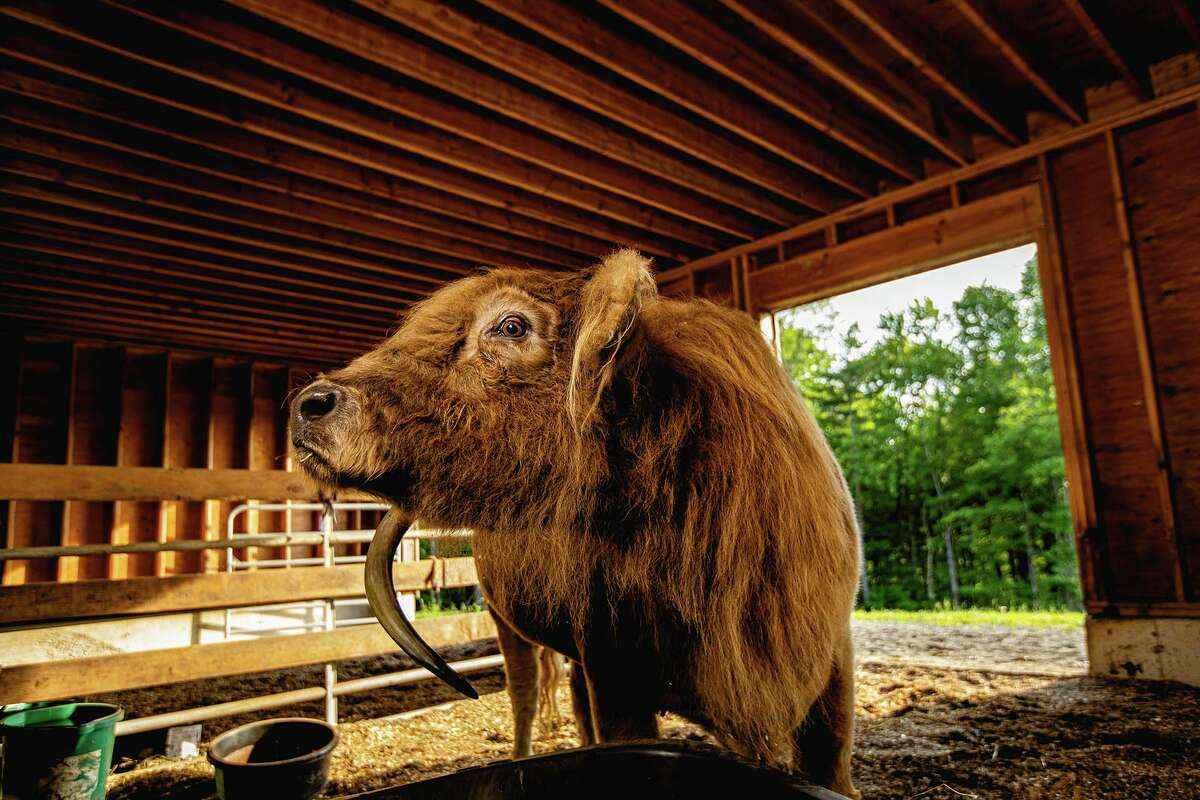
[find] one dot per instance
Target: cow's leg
(581, 705)
(824, 743)
(621, 710)
(521, 671)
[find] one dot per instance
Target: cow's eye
(512, 327)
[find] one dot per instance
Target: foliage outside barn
(947, 431)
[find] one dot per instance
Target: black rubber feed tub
(655, 769)
(285, 758)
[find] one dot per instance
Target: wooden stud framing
(987, 20)
(1138, 81)
(1146, 365)
(803, 30)
(937, 63)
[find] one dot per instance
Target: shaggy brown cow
(649, 497)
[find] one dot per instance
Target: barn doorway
(937, 395)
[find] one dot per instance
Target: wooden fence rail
(79, 677)
(41, 602)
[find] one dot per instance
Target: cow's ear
(607, 317)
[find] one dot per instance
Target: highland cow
(649, 495)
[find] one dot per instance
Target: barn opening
(937, 395)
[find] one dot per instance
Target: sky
(943, 286)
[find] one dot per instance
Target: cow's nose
(317, 401)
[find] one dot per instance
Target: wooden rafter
(801, 29)
(988, 21)
(701, 38)
(939, 64)
(1188, 13)
(192, 191)
(581, 32)
(1137, 79)
(480, 40)
(566, 173)
(425, 185)
(294, 195)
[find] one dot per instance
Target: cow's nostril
(318, 404)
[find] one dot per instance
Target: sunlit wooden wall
(81, 402)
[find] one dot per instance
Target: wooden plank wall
(1127, 221)
(78, 402)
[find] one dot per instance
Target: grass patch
(1066, 620)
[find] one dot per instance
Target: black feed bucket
(286, 757)
(659, 769)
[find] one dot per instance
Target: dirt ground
(943, 713)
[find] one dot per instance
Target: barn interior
(205, 205)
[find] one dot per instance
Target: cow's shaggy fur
(650, 497)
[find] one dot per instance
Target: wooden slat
(383, 134)
(939, 63)
(1161, 175)
(267, 188)
(1136, 556)
(805, 30)
(95, 415)
(494, 146)
(582, 32)
(43, 291)
(92, 599)
(1072, 418)
(96, 674)
(231, 245)
(530, 63)
(1188, 14)
(149, 484)
(1137, 79)
(28, 265)
(40, 437)
(193, 191)
(1184, 98)
(44, 227)
(988, 21)
(314, 243)
(83, 306)
(1146, 363)
(701, 38)
(413, 181)
(986, 226)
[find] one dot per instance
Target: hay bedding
(929, 732)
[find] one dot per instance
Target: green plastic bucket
(58, 752)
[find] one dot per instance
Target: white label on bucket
(73, 778)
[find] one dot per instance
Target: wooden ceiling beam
(579, 178)
(58, 305)
(135, 282)
(656, 177)
(800, 29)
(97, 191)
(270, 142)
(58, 234)
(939, 64)
(690, 31)
(30, 198)
(120, 303)
(195, 192)
(987, 20)
(293, 194)
(1188, 14)
(1137, 79)
(27, 323)
(581, 32)
(443, 23)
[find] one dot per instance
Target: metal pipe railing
(307, 695)
(184, 545)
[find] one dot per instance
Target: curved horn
(381, 594)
